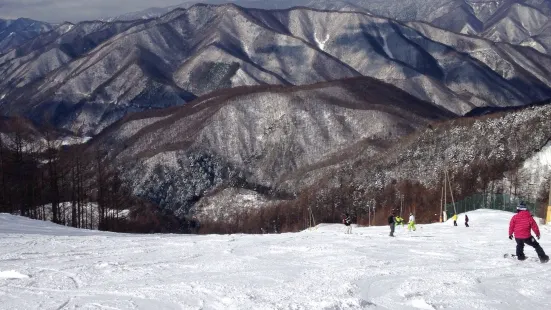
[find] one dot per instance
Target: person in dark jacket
(520, 228)
(391, 223)
(347, 222)
(466, 220)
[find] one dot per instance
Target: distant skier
(520, 226)
(391, 223)
(454, 220)
(466, 220)
(348, 223)
(411, 223)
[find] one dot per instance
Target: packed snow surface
(10, 274)
(44, 266)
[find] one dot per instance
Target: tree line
(326, 202)
(71, 185)
(78, 186)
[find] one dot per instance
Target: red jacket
(520, 225)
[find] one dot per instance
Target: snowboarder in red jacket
(521, 225)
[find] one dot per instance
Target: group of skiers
(454, 217)
(394, 220)
(520, 227)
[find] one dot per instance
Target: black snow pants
(531, 242)
(392, 229)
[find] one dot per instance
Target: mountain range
(257, 137)
(203, 108)
(255, 146)
(15, 32)
(520, 22)
(84, 77)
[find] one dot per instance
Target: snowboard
(531, 259)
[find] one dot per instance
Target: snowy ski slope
(44, 266)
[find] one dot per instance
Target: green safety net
(503, 202)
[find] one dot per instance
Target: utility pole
(548, 215)
(445, 214)
(441, 204)
(402, 203)
(451, 193)
(549, 192)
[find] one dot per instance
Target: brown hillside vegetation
(358, 145)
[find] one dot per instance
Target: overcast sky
(76, 10)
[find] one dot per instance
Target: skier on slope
(520, 226)
(399, 220)
(347, 222)
(466, 220)
(454, 220)
(391, 223)
(411, 223)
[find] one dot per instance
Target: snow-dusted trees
(77, 186)
(43, 179)
(53, 172)
(18, 167)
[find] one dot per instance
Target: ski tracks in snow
(438, 266)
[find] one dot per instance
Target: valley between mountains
(228, 118)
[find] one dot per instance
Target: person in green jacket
(411, 223)
(399, 220)
(454, 220)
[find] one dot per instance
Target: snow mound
(13, 224)
(11, 274)
(485, 216)
(488, 215)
